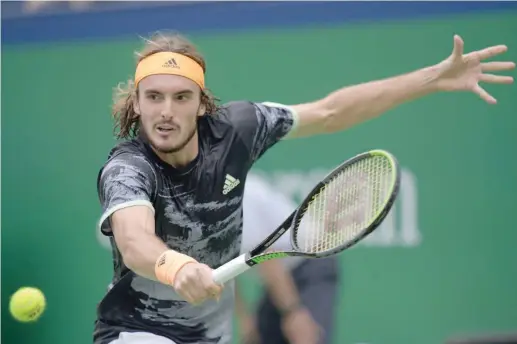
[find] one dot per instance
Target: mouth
(165, 128)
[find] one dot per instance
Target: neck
(182, 157)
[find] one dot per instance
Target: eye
(153, 96)
(182, 97)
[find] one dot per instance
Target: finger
(490, 52)
(182, 290)
(201, 292)
(484, 95)
(187, 296)
(497, 66)
(193, 287)
(194, 295)
(457, 49)
(212, 289)
(496, 79)
(197, 302)
(197, 297)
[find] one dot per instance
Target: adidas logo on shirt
(229, 184)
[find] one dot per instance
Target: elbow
(330, 124)
(129, 252)
(335, 118)
(328, 117)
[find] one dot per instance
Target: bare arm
(280, 285)
(240, 306)
(355, 104)
(126, 186)
(349, 106)
(245, 319)
(133, 229)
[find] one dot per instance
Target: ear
(136, 104)
(202, 109)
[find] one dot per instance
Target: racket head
(360, 191)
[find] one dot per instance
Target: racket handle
(230, 270)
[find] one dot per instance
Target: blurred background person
(299, 298)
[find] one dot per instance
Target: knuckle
(191, 276)
(179, 284)
(204, 268)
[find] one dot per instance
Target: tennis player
(298, 305)
(171, 192)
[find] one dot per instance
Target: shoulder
(231, 123)
(239, 109)
(134, 146)
(128, 159)
(258, 126)
(238, 106)
(249, 118)
(231, 112)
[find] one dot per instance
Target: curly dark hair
(126, 119)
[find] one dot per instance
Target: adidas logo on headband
(171, 63)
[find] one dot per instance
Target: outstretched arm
(133, 229)
(126, 186)
(352, 105)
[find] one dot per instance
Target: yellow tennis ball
(27, 304)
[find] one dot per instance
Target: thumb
(457, 50)
(212, 288)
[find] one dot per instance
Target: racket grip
(230, 270)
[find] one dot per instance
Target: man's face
(168, 106)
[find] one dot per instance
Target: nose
(167, 111)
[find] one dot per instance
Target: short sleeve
(261, 125)
(126, 180)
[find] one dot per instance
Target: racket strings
(346, 205)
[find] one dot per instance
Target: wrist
(431, 78)
(168, 264)
(424, 81)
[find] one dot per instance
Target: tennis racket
(342, 209)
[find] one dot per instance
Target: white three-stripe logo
(229, 184)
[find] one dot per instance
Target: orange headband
(170, 63)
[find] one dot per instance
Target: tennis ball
(27, 304)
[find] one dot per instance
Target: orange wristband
(168, 265)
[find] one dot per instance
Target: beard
(178, 146)
(169, 148)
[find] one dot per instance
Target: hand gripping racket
(342, 209)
